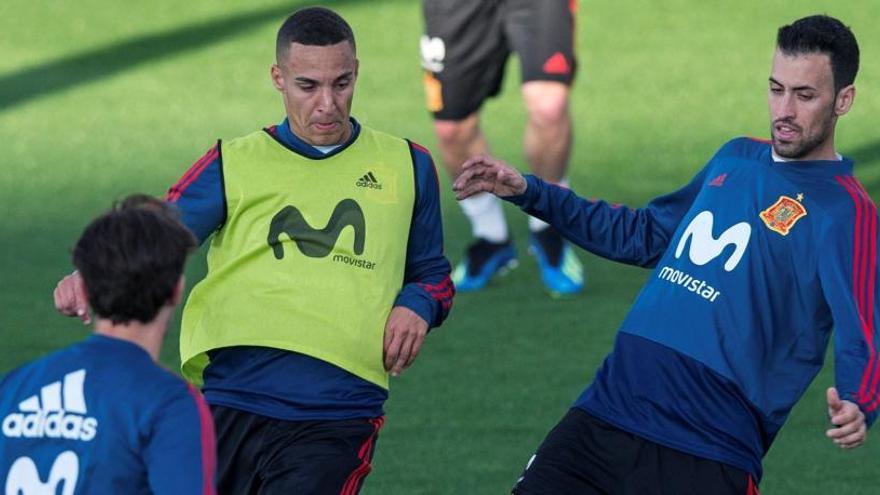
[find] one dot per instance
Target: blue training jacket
(101, 417)
(755, 261)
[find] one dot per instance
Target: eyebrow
(796, 88)
(308, 80)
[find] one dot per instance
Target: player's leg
(318, 457)
(578, 456)
(463, 53)
(238, 449)
(667, 471)
(547, 140)
(542, 34)
(585, 455)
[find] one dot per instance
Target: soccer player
(325, 271)
(768, 247)
(464, 51)
(101, 416)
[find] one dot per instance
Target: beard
(805, 143)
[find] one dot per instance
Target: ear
(277, 77)
(844, 100)
(177, 295)
(357, 66)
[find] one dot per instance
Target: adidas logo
(369, 180)
(58, 412)
(718, 181)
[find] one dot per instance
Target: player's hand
(404, 333)
(71, 299)
(848, 419)
(483, 173)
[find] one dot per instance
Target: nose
(786, 106)
(325, 100)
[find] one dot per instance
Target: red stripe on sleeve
(192, 174)
(441, 292)
(194, 167)
(868, 390)
(864, 227)
(869, 278)
(209, 450)
(872, 252)
(420, 148)
(431, 158)
(864, 259)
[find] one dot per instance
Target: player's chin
(326, 137)
(786, 149)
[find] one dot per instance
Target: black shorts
(584, 455)
(266, 456)
(467, 43)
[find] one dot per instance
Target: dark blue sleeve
(848, 271)
(427, 288)
(180, 450)
(633, 236)
(199, 195)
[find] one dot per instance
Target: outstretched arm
(483, 173)
(634, 236)
(199, 197)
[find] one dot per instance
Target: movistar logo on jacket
(24, 477)
(317, 243)
(705, 248)
(59, 411)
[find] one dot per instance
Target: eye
(776, 90)
(806, 96)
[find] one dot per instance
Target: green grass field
(99, 99)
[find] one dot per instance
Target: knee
(548, 111)
(456, 132)
(546, 103)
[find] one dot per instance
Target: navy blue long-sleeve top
(755, 260)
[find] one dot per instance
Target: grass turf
(99, 99)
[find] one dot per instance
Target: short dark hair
(132, 257)
(823, 34)
(312, 26)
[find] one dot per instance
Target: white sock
(536, 224)
(486, 216)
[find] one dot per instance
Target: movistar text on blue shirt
(690, 283)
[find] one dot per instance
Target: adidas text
(57, 411)
(363, 183)
(50, 425)
(368, 180)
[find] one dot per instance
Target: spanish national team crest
(782, 216)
